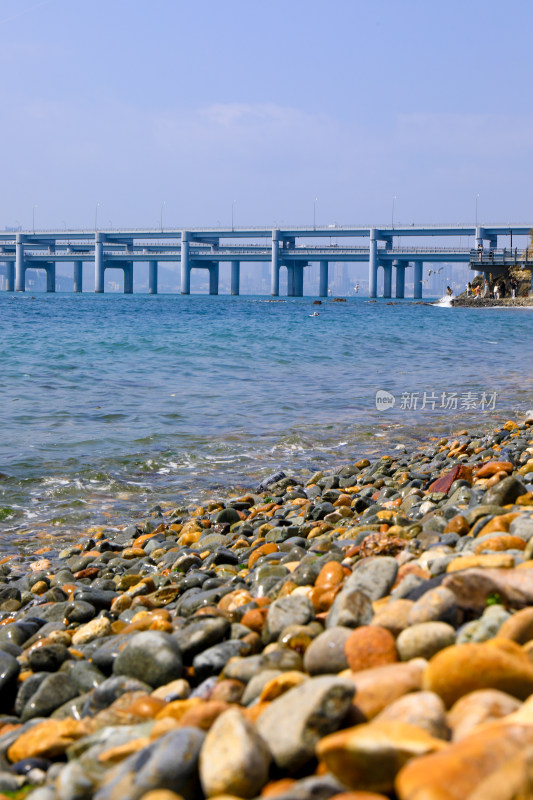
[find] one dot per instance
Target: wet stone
(151, 656)
(52, 692)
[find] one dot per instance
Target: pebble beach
(360, 634)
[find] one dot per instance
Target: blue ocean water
(113, 404)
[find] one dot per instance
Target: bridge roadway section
(207, 248)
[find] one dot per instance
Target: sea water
(113, 404)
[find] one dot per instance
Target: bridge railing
(505, 257)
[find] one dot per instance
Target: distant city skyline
(200, 114)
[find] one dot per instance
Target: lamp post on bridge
(314, 213)
(232, 213)
(96, 217)
(392, 216)
(161, 214)
(33, 217)
(476, 208)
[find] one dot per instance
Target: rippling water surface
(113, 404)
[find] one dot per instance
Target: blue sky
(191, 107)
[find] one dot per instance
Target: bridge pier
(290, 280)
(152, 277)
(373, 264)
(400, 279)
(323, 281)
(419, 270)
(20, 265)
(387, 279)
(235, 277)
(50, 276)
(78, 276)
(128, 278)
(185, 264)
(274, 266)
(298, 280)
(213, 278)
(99, 264)
(10, 276)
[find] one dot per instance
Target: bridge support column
(274, 266)
(78, 276)
(185, 264)
(419, 270)
(323, 281)
(128, 278)
(387, 280)
(299, 280)
(152, 277)
(10, 276)
(400, 279)
(20, 265)
(51, 277)
(235, 277)
(290, 280)
(373, 265)
(213, 278)
(99, 265)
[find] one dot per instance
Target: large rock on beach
(150, 656)
(234, 758)
(293, 724)
(168, 763)
(498, 664)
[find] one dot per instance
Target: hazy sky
(148, 105)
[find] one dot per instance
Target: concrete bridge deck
(286, 248)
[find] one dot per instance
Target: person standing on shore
(514, 287)
(486, 288)
(468, 289)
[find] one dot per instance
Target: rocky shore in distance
(365, 635)
(488, 302)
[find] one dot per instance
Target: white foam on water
(444, 302)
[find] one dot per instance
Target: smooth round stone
(55, 690)
(436, 605)
(27, 689)
(229, 515)
(200, 635)
(257, 683)
(214, 659)
(293, 724)
(80, 611)
(95, 629)
(73, 784)
(234, 758)
(282, 658)
(243, 669)
(370, 646)
(170, 762)
(423, 709)
(103, 656)
(110, 690)
(101, 599)
(47, 658)
(9, 671)
(484, 628)
(350, 609)
(16, 633)
(83, 674)
(464, 668)
(292, 610)
(424, 640)
(26, 764)
(150, 656)
(326, 653)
